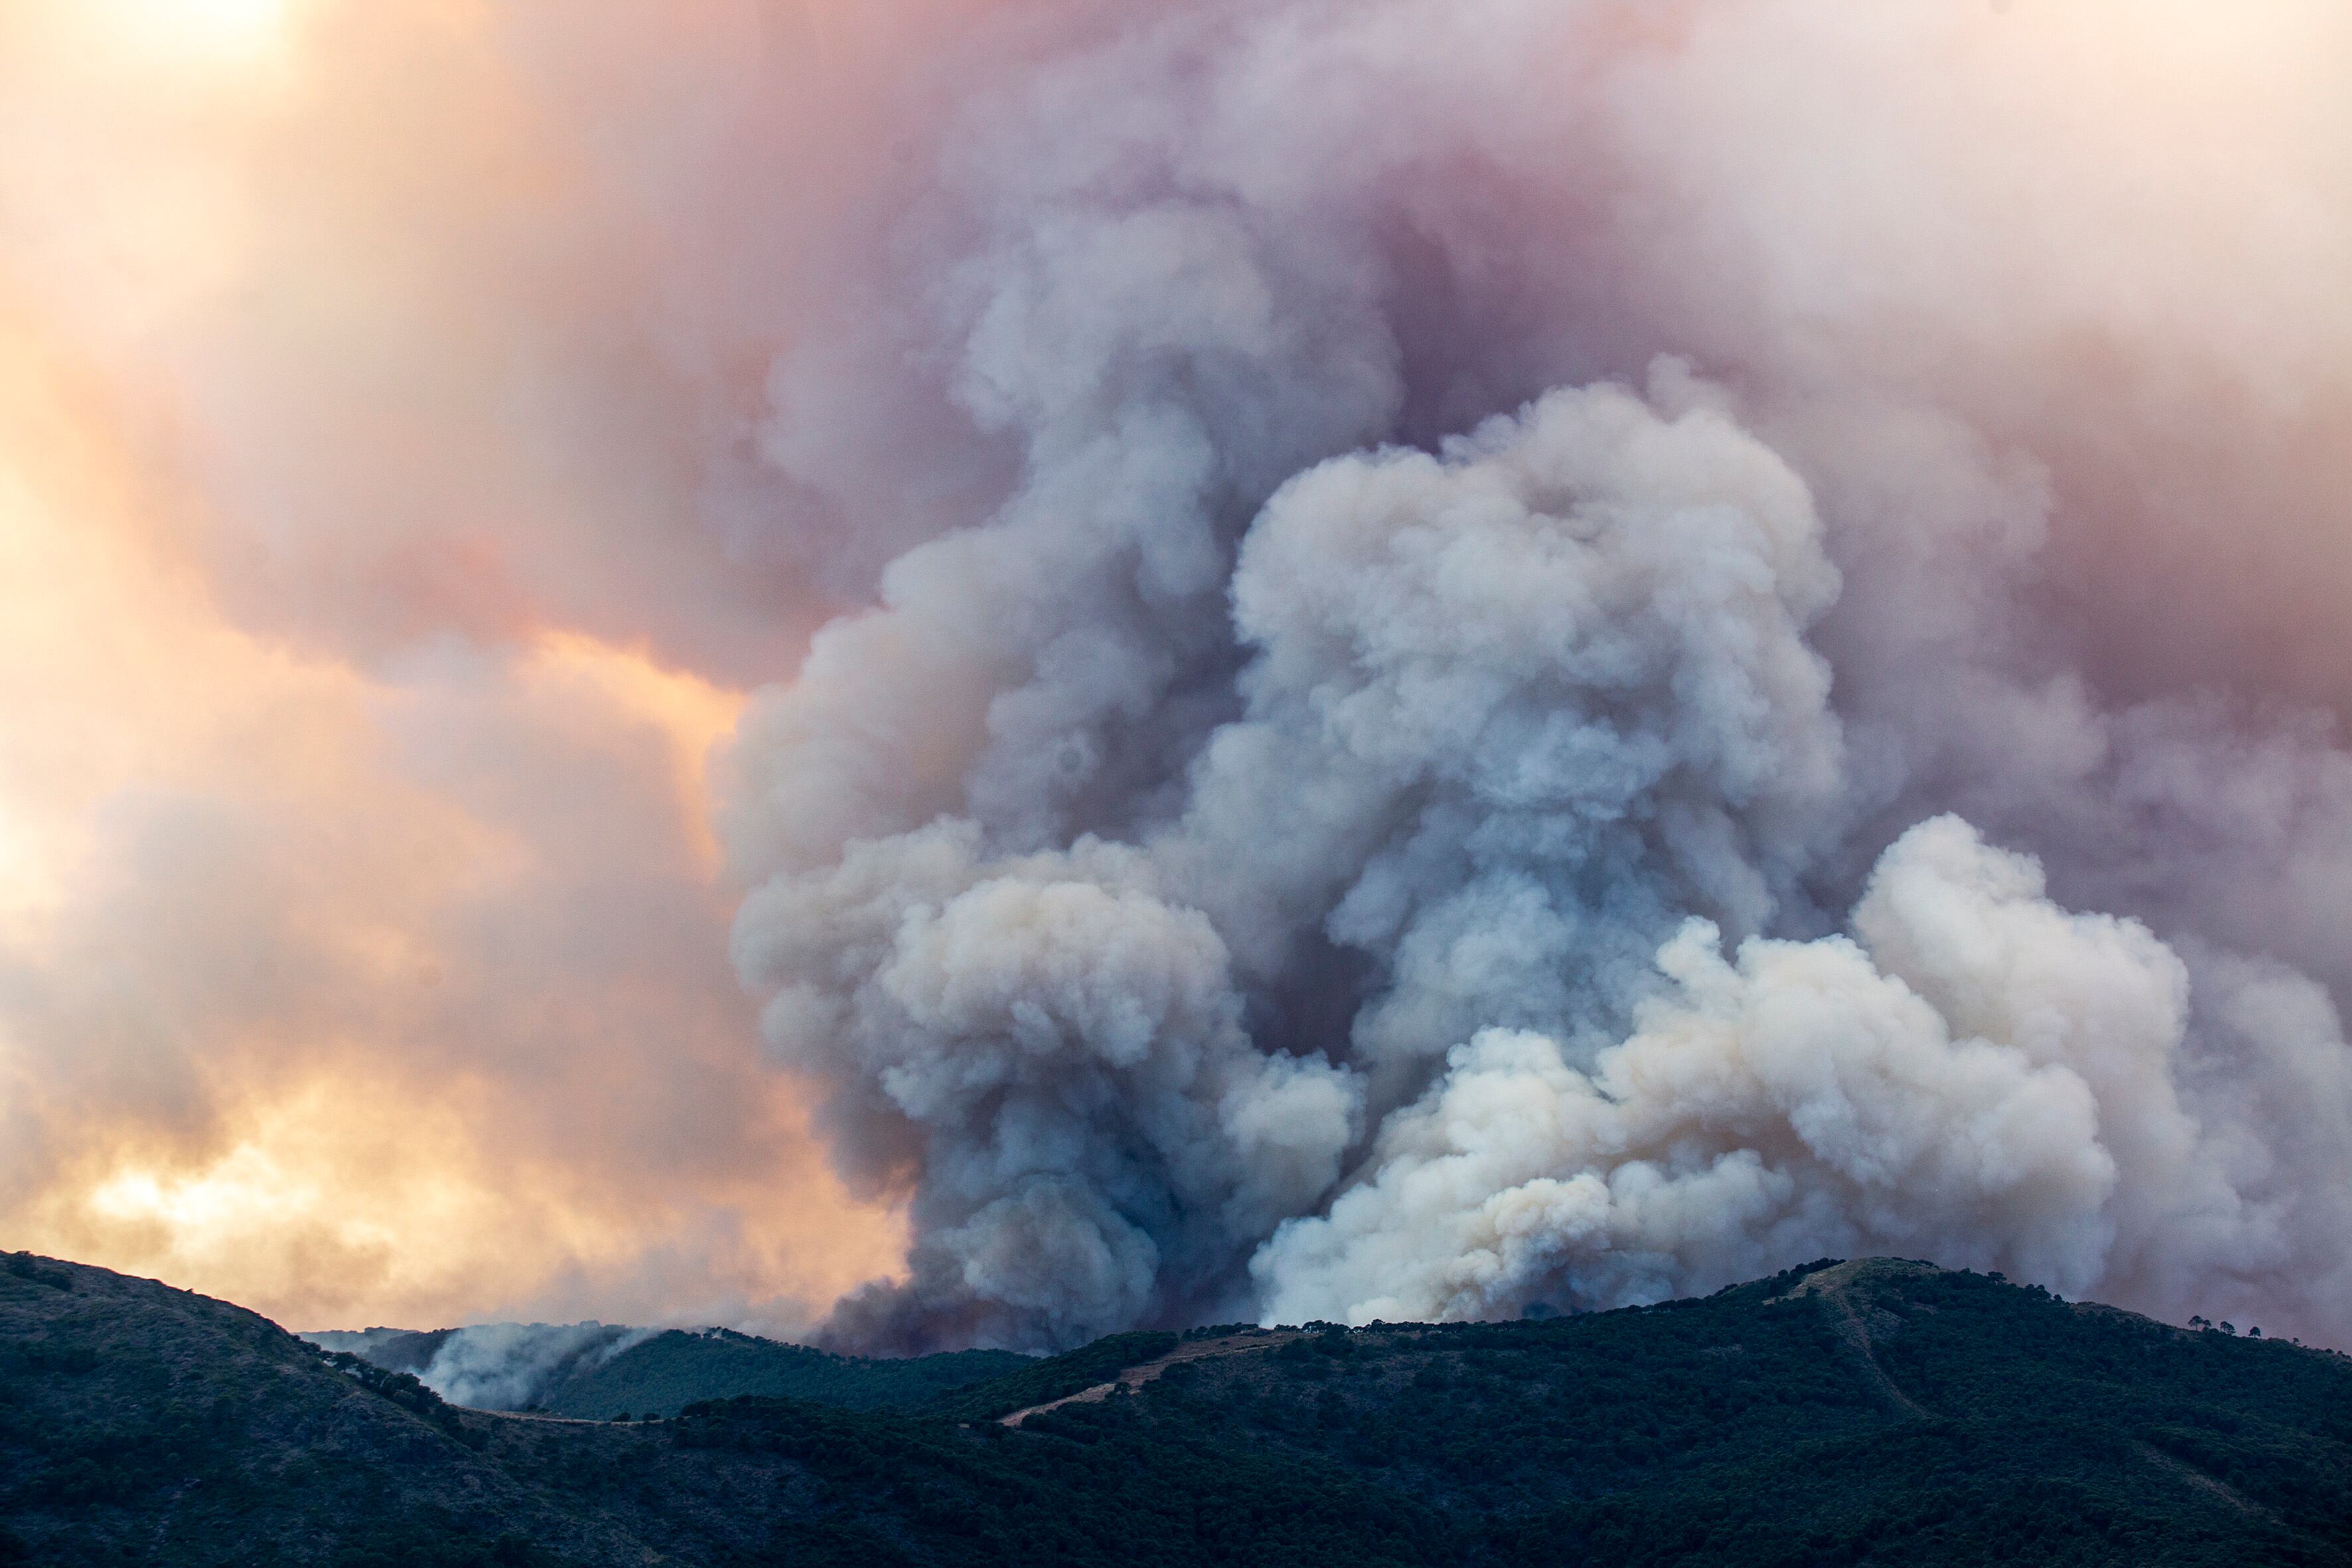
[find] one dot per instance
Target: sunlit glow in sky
(193, 34)
(347, 970)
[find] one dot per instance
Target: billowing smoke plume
(510, 1366)
(1615, 646)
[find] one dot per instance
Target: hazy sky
(427, 428)
(364, 373)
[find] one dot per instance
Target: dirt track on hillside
(1138, 1376)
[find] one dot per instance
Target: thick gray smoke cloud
(1562, 704)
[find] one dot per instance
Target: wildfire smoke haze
(1365, 661)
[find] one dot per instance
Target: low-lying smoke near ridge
(1470, 653)
(490, 1366)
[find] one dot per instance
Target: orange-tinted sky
(363, 951)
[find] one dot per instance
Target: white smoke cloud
(1282, 855)
(511, 1366)
(1980, 1078)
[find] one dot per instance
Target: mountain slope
(1870, 1412)
(144, 1423)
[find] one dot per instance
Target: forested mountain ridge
(670, 1370)
(596, 1371)
(1866, 1412)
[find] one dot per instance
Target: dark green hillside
(1873, 1413)
(1036, 1382)
(670, 1370)
(139, 1424)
